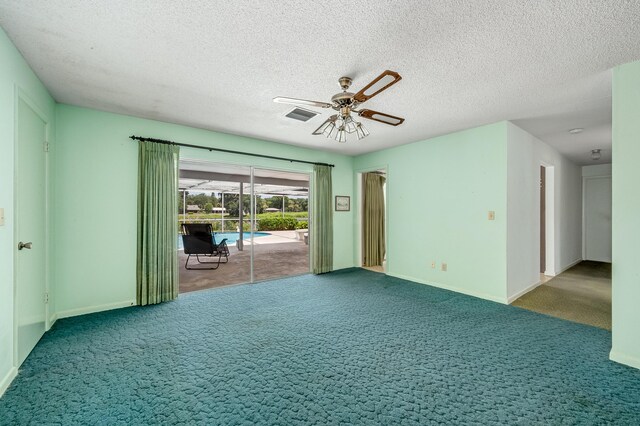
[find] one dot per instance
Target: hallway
(581, 294)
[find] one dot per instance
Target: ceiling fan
(345, 103)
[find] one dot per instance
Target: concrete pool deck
(277, 255)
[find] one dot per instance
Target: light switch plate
(492, 215)
(1, 217)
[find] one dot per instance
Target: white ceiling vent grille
(301, 114)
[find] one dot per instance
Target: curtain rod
(162, 141)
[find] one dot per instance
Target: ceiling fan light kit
(339, 125)
(361, 131)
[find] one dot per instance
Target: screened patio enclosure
(262, 213)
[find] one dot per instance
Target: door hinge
(46, 298)
(46, 147)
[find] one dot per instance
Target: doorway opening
(580, 292)
(261, 214)
(596, 218)
(372, 248)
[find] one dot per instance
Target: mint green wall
(15, 75)
(439, 194)
(95, 207)
(626, 215)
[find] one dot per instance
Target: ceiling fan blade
(295, 101)
(392, 120)
(380, 83)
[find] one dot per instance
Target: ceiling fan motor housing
(345, 82)
(342, 99)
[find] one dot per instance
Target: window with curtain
(157, 260)
(322, 221)
(373, 219)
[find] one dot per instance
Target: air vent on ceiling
(301, 114)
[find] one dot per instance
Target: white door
(30, 307)
(597, 218)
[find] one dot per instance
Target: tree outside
(231, 203)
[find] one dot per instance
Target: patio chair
(198, 240)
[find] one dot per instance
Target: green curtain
(373, 218)
(322, 221)
(157, 262)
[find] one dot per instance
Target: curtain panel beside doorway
(373, 219)
(322, 221)
(157, 261)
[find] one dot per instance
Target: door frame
(550, 219)
(21, 95)
(360, 211)
(543, 220)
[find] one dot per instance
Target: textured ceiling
(217, 65)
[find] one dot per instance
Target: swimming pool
(231, 237)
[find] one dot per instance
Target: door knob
(22, 245)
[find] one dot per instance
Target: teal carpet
(352, 347)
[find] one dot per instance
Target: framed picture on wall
(343, 203)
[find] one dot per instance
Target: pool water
(231, 237)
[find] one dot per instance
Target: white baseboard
(451, 288)
(94, 309)
(569, 266)
(624, 359)
(608, 260)
(7, 379)
(521, 293)
(52, 320)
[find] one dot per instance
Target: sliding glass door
(217, 195)
(261, 215)
(281, 243)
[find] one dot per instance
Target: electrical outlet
(492, 215)
(433, 264)
(444, 267)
